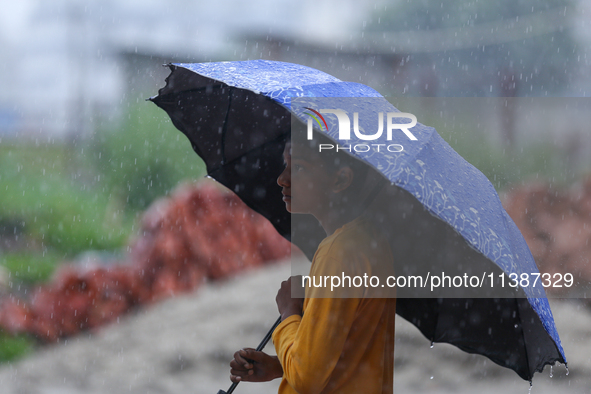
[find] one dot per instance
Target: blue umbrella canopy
(443, 211)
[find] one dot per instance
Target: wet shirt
(341, 344)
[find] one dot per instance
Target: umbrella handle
(258, 349)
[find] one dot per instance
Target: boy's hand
(289, 306)
(249, 365)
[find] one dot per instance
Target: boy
(332, 341)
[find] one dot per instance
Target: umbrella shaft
(258, 349)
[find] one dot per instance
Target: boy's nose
(283, 179)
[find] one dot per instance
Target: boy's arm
(309, 347)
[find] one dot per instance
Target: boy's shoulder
(355, 250)
(355, 241)
(357, 235)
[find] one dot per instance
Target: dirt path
(184, 345)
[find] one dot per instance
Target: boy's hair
(331, 158)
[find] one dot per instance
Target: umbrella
(237, 116)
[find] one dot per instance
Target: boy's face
(305, 180)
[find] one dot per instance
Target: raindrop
(551, 371)
(432, 344)
(567, 371)
(431, 377)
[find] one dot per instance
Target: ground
(184, 345)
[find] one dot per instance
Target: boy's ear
(343, 179)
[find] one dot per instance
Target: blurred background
(83, 156)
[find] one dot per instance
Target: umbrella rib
(160, 97)
(225, 127)
(517, 309)
(220, 167)
(440, 302)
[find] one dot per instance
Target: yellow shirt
(341, 345)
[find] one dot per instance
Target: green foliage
(30, 268)
(514, 65)
(67, 198)
(14, 347)
(538, 160)
(437, 14)
(146, 158)
(47, 197)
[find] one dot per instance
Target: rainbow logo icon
(315, 116)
